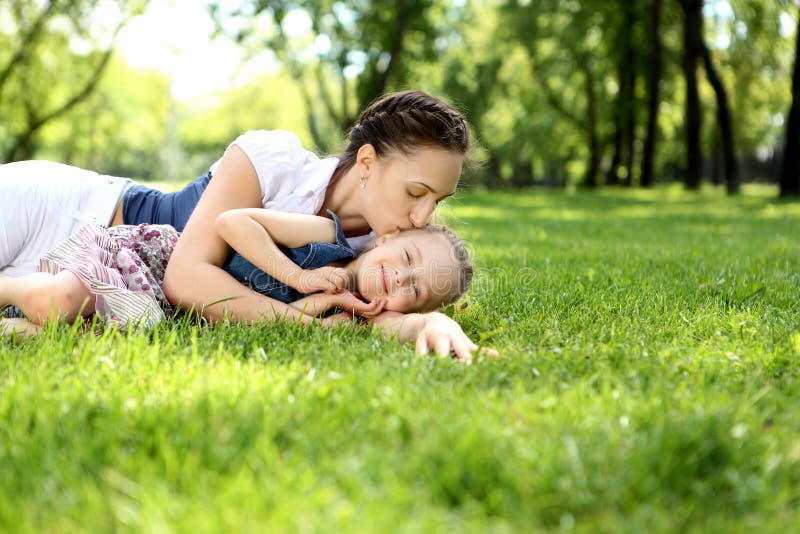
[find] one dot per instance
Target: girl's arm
(351, 305)
(255, 233)
(193, 278)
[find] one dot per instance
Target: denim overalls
(308, 257)
(145, 205)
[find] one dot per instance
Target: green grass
(649, 382)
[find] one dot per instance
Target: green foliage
(51, 59)
(122, 129)
(538, 80)
(649, 382)
(269, 102)
(347, 55)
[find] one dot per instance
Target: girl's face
(411, 271)
(401, 191)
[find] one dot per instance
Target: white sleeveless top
(42, 203)
(292, 179)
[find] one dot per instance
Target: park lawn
(649, 381)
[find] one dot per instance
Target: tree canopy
(558, 92)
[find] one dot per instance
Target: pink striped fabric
(123, 266)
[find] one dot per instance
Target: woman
(405, 155)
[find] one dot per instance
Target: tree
(790, 167)
(731, 167)
(569, 56)
(624, 49)
(691, 51)
(122, 129)
(653, 81)
(44, 37)
(351, 54)
(696, 49)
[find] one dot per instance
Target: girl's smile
(411, 270)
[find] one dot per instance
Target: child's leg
(18, 327)
(42, 296)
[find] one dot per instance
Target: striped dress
(123, 266)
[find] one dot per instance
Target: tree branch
(26, 45)
(35, 123)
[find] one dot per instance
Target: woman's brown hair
(403, 122)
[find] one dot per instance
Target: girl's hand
(318, 303)
(351, 304)
(327, 279)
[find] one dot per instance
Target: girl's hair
(458, 252)
(403, 122)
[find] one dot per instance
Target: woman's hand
(328, 279)
(442, 334)
(432, 330)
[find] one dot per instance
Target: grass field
(650, 381)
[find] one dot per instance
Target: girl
(117, 272)
(404, 155)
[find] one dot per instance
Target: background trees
(53, 57)
(559, 92)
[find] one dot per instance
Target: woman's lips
(383, 279)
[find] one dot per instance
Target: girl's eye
(408, 257)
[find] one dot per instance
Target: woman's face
(401, 192)
(411, 271)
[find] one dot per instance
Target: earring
(363, 184)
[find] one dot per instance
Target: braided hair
(403, 122)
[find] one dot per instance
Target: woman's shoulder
(273, 141)
(270, 151)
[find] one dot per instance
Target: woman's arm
(193, 278)
(255, 233)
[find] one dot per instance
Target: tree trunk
(594, 144)
(624, 108)
(22, 147)
(731, 167)
(612, 177)
(653, 79)
(628, 88)
(589, 126)
(523, 173)
(26, 46)
(790, 167)
(692, 40)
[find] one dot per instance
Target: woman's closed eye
(417, 191)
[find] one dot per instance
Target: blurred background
(559, 93)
